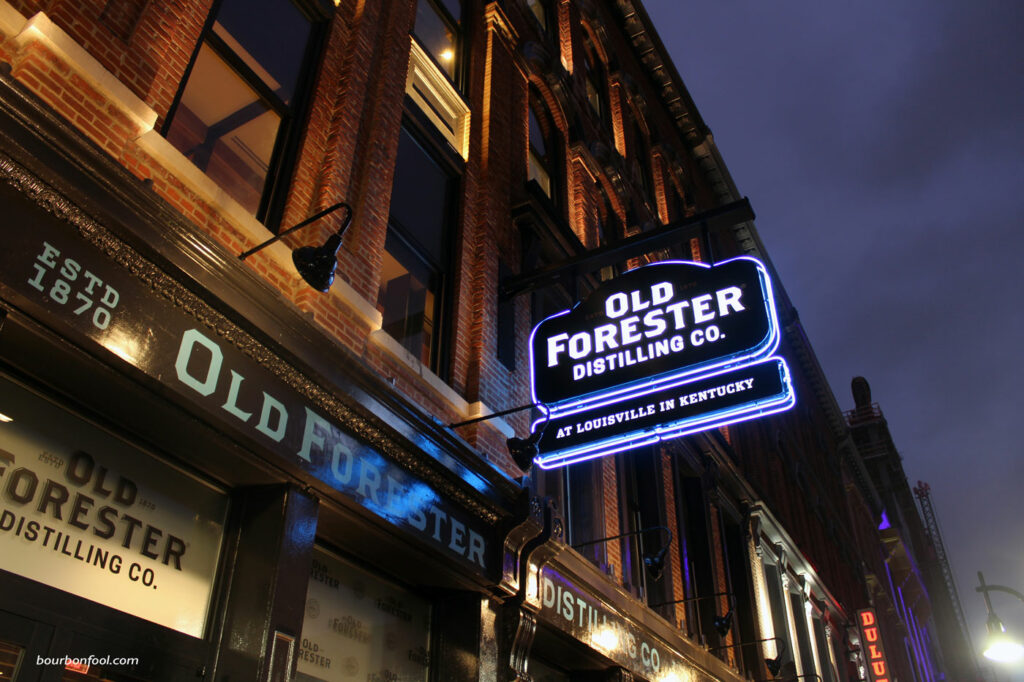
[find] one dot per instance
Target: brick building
(215, 470)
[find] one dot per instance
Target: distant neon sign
(662, 351)
(871, 643)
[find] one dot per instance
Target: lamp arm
(999, 588)
(307, 221)
(689, 599)
(492, 415)
(781, 641)
(623, 535)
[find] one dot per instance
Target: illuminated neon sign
(662, 351)
(871, 643)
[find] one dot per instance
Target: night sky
(881, 145)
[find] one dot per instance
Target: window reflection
(437, 29)
(539, 169)
(239, 94)
(416, 251)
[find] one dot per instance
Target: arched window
(541, 168)
(641, 156)
(595, 79)
(541, 10)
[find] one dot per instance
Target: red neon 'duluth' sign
(871, 643)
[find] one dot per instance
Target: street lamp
(999, 646)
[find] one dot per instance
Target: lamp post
(999, 646)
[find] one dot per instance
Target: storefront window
(360, 627)
(542, 672)
(10, 659)
(87, 513)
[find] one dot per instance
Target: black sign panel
(670, 411)
(90, 297)
(652, 325)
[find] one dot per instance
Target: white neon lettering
(702, 308)
(616, 305)
(556, 345)
(729, 298)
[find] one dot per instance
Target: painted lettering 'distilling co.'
(657, 331)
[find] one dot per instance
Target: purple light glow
(684, 427)
(763, 350)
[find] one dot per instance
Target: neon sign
(872, 643)
(662, 351)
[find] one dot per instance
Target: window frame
(283, 158)
(458, 75)
(425, 135)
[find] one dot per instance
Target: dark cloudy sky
(881, 145)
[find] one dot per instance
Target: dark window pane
(412, 276)
(454, 7)
(540, 10)
(438, 36)
(420, 198)
(408, 298)
(270, 36)
(537, 135)
(222, 127)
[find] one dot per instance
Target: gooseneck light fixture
(999, 646)
(522, 450)
(316, 264)
(722, 624)
(654, 563)
(774, 665)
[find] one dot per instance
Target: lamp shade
(723, 624)
(316, 264)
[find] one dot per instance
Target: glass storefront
(360, 627)
(87, 513)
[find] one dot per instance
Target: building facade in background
(212, 470)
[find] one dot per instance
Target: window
(642, 159)
(803, 638)
(777, 604)
(541, 164)
(236, 112)
(438, 31)
(641, 509)
(595, 81)
(361, 627)
(412, 281)
(540, 11)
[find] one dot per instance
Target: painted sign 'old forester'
(663, 350)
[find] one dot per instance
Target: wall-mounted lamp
(522, 450)
(774, 665)
(722, 624)
(999, 646)
(316, 264)
(654, 563)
